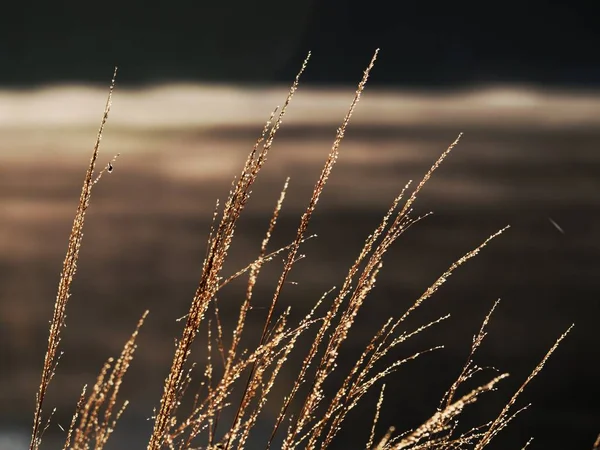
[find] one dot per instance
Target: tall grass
(251, 374)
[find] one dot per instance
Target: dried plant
(88, 421)
(68, 272)
(597, 443)
(321, 413)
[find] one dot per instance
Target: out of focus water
(528, 158)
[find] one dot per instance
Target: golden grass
(252, 373)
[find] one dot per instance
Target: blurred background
(196, 82)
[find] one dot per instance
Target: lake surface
(528, 158)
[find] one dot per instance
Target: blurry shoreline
(206, 106)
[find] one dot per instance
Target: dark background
(426, 44)
(147, 226)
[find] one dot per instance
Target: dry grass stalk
(470, 369)
(317, 423)
(439, 429)
(210, 278)
(66, 278)
(438, 422)
(502, 420)
(364, 285)
(360, 385)
(597, 443)
(253, 378)
(330, 162)
(96, 426)
(527, 444)
(376, 418)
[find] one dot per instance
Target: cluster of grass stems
(252, 373)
